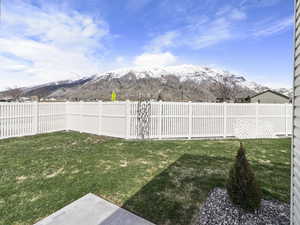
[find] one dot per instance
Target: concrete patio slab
(93, 210)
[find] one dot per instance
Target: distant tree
(181, 91)
(159, 97)
(225, 86)
(15, 93)
(248, 99)
(242, 187)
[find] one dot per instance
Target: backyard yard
(163, 181)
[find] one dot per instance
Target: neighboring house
(269, 96)
(219, 100)
(6, 99)
(35, 98)
(25, 99)
(242, 100)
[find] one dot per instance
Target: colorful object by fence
(113, 96)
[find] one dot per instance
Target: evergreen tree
(242, 187)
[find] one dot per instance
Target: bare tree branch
(14, 92)
(226, 86)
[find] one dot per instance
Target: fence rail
(168, 119)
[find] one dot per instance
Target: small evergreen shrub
(242, 187)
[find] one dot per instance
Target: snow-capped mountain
(183, 72)
(171, 83)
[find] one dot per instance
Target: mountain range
(171, 83)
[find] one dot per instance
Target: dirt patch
(143, 161)
(55, 173)
(123, 163)
(104, 165)
(166, 162)
(107, 167)
(75, 171)
(264, 161)
(95, 139)
(151, 170)
(163, 154)
(20, 179)
(35, 198)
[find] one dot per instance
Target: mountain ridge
(173, 83)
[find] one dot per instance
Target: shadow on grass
(176, 194)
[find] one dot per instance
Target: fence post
(225, 119)
(256, 119)
(128, 118)
(100, 108)
(67, 118)
(160, 119)
(36, 117)
(190, 119)
(286, 119)
(80, 116)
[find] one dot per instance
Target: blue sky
(42, 41)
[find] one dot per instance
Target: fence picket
(190, 120)
(100, 118)
(128, 116)
(225, 120)
(160, 119)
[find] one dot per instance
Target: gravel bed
(218, 210)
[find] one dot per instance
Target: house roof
(274, 92)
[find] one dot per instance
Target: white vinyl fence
(215, 120)
(168, 119)
(21, 119)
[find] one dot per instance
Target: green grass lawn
(163, 181)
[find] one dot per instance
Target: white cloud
(232, 13)
(120, 59)
(200, 32)
(155, 59)
(238, 14)
(46, 44)
(224, 25)
(274, 27)
(47, 62)
(163, 41)
(215, 32)
(220, 28)
(259, 3)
